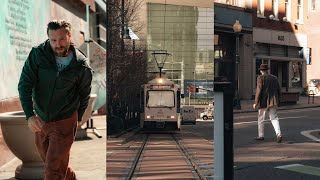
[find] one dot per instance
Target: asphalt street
(296, 158)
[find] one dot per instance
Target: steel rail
(193, 163)
(136, 159)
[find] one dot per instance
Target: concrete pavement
(88, 156)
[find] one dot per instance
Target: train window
(160, 99)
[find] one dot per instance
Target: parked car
(314, 86)
(188, 115)
(207, 113)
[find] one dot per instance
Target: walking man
(267, 101)
(54, 90)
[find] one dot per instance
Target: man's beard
(61, 51)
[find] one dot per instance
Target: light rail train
(160, 105)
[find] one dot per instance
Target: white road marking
(300, 168)
(308, 134)
(248, 122)
(208, 120)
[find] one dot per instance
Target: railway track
(161, 156)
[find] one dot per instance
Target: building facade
(277, 36)
(225, 62)
(185, 30)
(280, 40)
(313, 30)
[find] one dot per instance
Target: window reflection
(297, 73)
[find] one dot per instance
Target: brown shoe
(279, 138)
(259, 138)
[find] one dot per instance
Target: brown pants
(54, 143)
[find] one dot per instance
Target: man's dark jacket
(55, 95)
(267, 92)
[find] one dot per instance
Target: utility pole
(108, 56)
(223, 131)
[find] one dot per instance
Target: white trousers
(273, 115)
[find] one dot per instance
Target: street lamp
(237, 29)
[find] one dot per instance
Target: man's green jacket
(55, 95)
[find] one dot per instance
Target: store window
(259, 61)
(308, 56)
(278, 50)
(262, 49)
(297, 74)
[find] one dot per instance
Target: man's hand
(254, 106)
(34, 124)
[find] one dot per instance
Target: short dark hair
(57, 24)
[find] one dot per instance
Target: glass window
(278, 50)
(160, 99)
(297, 74)
(300, 11)
(295, 52)
(308, 56)
(262, 49)
(186, 32)
(312, 5)
(287, 10)
(258, 63)
(275, 8)
(260, 8)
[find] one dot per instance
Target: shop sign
(280, 38)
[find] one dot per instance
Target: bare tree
(126, 66)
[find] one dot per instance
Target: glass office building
(187, 34)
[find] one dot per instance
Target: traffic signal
(197, 89)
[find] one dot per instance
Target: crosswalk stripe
(300, 168)
(309, 135)
(268, 121)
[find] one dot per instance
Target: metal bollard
(223, 130)
(311, 93)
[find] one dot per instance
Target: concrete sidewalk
(88, 157)
(304, 102)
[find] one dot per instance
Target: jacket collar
(79, 57)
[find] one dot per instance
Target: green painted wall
(22, 26)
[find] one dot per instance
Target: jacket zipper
(57, 75)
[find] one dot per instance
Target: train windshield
(160, 99)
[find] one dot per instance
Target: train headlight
(148, 117)
(172, 117)
(160, 80)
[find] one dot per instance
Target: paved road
(297, 158)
